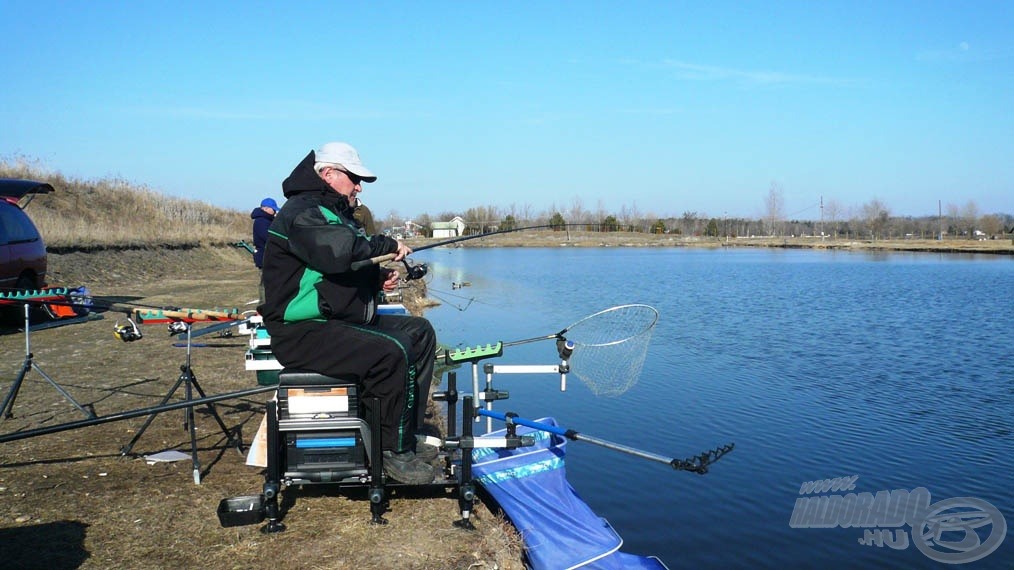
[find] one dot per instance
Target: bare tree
(688, 223)
(953, 219)
(634, 220)
(774, 208)
(394, 220)
(527, 214)
(600, 215)
(424, 220)
(547, 214)
(481, 218)
(576, 213)
(833, 212)
(992, 225)
(970, 217)
(876, 216)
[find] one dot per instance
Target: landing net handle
(696, 464)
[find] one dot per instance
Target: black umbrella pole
(132, 414)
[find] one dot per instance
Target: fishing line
(432, 293)
(470, 300)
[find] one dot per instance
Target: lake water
(893, 367)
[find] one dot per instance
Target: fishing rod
(419, 271)
(137, 313)
(696, 464)
(65, 297)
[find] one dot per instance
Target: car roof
(16, 188)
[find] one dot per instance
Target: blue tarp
(558, 528)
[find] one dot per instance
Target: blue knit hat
(269, 203)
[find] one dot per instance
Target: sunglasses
(354, 178)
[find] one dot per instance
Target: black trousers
(391, 359)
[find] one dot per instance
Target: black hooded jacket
(261, 223)
(307, 262)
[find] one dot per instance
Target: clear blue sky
(668, 107)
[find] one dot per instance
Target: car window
(5, 213)
(15, 227)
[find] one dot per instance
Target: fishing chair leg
(466, 487)
(378, 499)
(272, 478)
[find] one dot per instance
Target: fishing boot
(424, 449)
(406, 468)
(428, 441)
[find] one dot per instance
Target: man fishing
(321, 314)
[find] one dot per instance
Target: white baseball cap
(344, 155)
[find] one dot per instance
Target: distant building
(453, 228)
(413, 229)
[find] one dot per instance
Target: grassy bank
(112, 213)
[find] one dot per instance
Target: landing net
(610, 347)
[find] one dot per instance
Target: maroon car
(22, 251)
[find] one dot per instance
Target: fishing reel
(417, 271)
(128, 332)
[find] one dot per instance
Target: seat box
(338, 451)
(310, 402)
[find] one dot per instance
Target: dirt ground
(71, 500)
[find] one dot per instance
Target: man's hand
(403, 252)
(389, 279)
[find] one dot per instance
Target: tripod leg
(88, 413)
(214, 412)
(8, 407)
(189, 413)
(126, 449)
(12, 394)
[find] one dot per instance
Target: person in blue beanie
(262, 217)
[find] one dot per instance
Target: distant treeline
(870, 221)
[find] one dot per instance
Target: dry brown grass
(116, 213)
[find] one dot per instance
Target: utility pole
(940, 222)
(821, 218)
